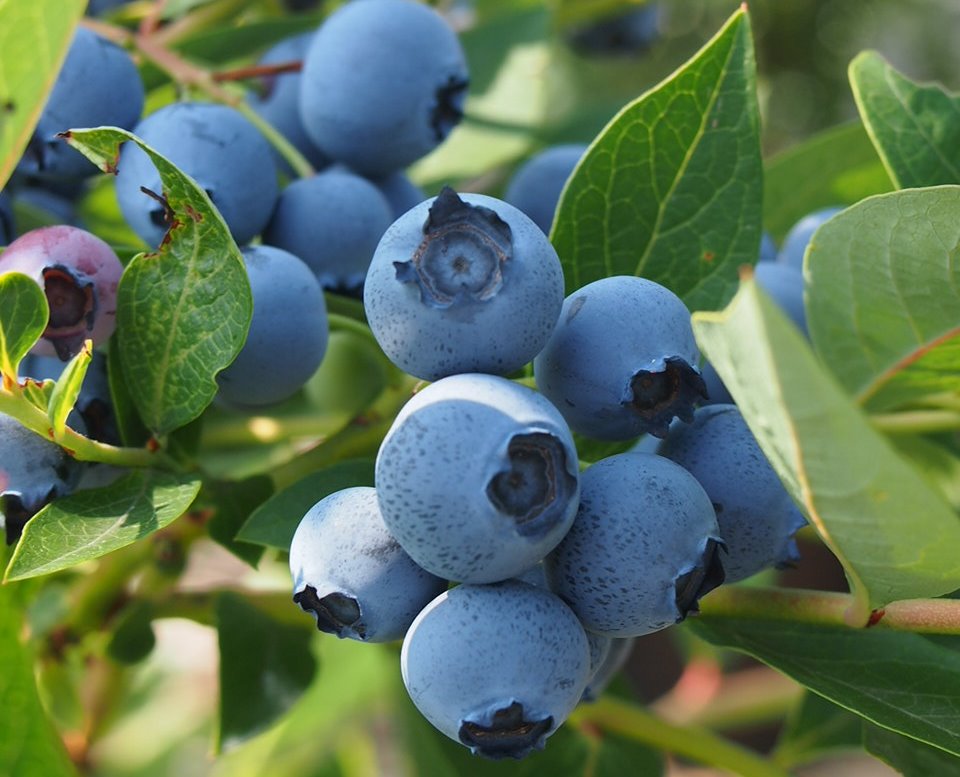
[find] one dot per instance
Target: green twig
(697, 744)
(923, 616)
(297, 161)
(916, 421)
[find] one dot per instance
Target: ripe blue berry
(784, 283)
(757, 517)
(626, 33)
(215, 145)
(463, 284)
(614, 659)
(400, 192)
(7, 228)
(98, 85)
(496, 667)
(352, 574)
(622, 360)
(33, 472)
(79, 274)
(333, 222)
(642, 550)
(795, 243)
(288, 332)
(279, 99)
(477, 478)
(384, 82)
(536, 186)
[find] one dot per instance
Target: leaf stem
(77, 445)
(922, 616)
(916, 421)
(697, 744)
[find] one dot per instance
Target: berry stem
(286, 149)
(257, 71)
(917, 421)
(637, 723)
(921, 616)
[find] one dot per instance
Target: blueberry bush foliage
(861, 421)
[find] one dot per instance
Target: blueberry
(400, 192)
(621, 361)
(278, 100)
(795, 243)
(7, 227)
(352, 574)
(768, 249)
(463, 284)
(625, 33)
(477, 478)
(643, 549)
(288, 333)
(784, 283)
(215, 145)
(384, 82)
(333, 221)
(536, 186)
(33, 472)
(757, 517)
(79, 274)
(98, 85)
(496, 667)
(614, 658)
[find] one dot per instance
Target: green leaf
(183, 311)
(23, 317)
(67, 389)
(908, 756)
(848, 170)
(937, 463)
(916, 128)
(883, 299)
(900, 681)
(274, 522)
(90, 524)
(670, 190)
(816, 728)
(34, 38)
(265, 666)
(131, 428)
(233, 502)
(850, 481)
(29, 745)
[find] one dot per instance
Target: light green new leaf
(883, 296)
(671, 188)
(916, 128)
(895, 535)
(34, 38)
(23, 317)
(848, 170)
(90, 524)
(29, 744)
(183, 311)
(903, 682)
(67, 389)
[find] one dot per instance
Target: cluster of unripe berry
(478, 481)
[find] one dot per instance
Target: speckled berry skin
(463, 283)
(614, 337)
(757, 517)
(217, 147)
(33, 471)
(79, 274)
(288, 332)
(477, 478)
(508, 648)
(784, 283)
(383, 83)
(795, 243)
(352, 574)
(98, 85)
(333, 221)
(279, 100)
(642, 550)
(536, 185)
